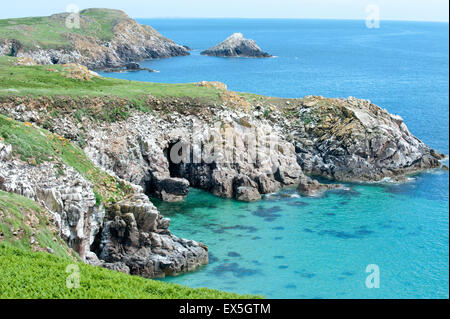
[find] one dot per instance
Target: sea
(381, 240)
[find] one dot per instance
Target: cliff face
(354, 140)
(105, 39)
(240, 153)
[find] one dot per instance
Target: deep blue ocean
(287, 246)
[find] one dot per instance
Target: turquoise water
(287, 246)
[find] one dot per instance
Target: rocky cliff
(243, 150)
(101, 38)
(237, 46)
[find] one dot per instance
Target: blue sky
(423, 10)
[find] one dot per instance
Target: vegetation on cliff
(96, 38)
(26, 225)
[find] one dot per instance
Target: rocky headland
(237, 46)
(96, 38)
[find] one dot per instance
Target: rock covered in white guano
(62, 191)
(237, 46)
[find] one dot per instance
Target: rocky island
(102, 38)
(237, 46)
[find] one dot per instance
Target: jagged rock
(247, 194)
(267, 184)
(5, 151)
(132, 66)
(237, 46)
(134, 239)
(169, 189)
(68, 197)
(144, 245)
(355, 140)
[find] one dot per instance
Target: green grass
(40, 81)
(37, 145)
(25, 275)
(27, 220)
(50, 32)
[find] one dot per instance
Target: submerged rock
(237, 46)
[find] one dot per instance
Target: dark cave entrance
(174, 153)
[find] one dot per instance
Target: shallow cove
(320, 247)
(287, 246)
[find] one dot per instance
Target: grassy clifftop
(28, 275)
(54, 80)
(52, 33)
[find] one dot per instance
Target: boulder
(310, 187)
(247, 194)
(130, 245)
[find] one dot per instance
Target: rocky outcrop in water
(136, 235)
(237, 46)
(129, 42)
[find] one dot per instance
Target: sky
(416, 10)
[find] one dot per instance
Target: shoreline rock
(356, 141)
(237, 46)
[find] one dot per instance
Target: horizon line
(256, 18)
(272, 18)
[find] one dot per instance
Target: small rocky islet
(341, 140)
(237, 46)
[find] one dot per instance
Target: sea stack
(237, 46)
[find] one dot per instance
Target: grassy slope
(40, 275)
(49, 32)
(27, 220)
(39, 81)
